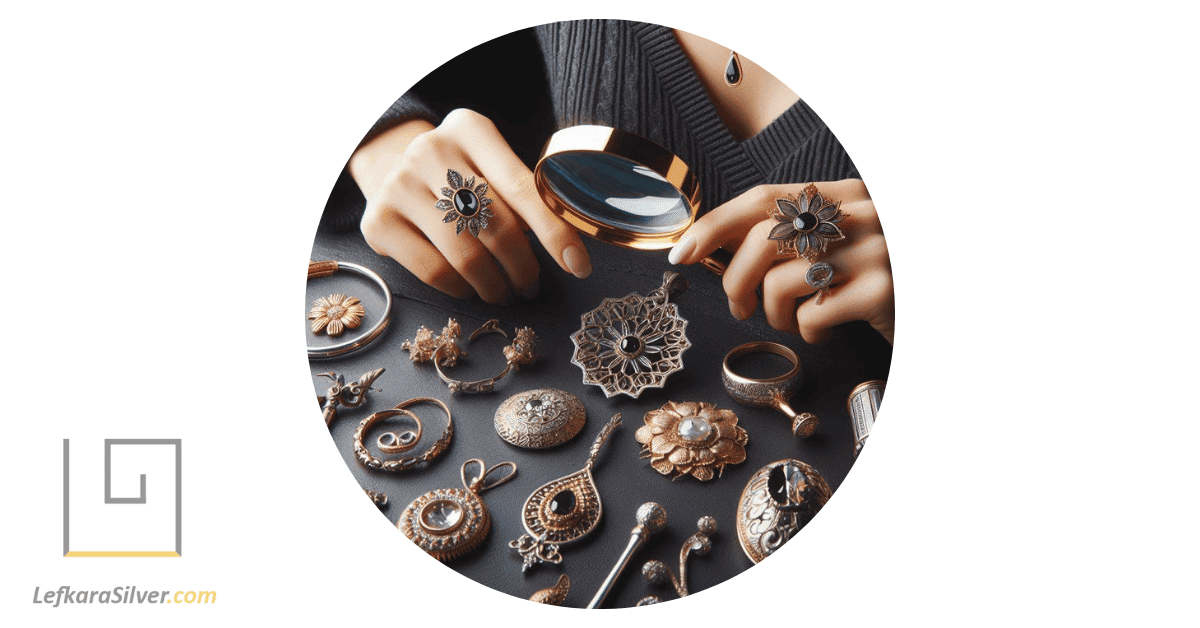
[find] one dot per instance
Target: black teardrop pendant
(733, 70)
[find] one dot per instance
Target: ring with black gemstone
(819, 276)
(807, 224)
(465, 203)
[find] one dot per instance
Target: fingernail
(682, 249)
(530, 291)
(577, 261)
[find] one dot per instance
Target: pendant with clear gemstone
(450, 522)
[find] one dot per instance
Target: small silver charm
(658, 574)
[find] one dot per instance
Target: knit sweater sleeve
(344, 207)
(503, 79)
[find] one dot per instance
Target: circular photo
(599, 314)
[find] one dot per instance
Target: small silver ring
(351, 345)
(820, 276)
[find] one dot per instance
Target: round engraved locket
(540, 418)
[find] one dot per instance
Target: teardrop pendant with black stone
(562, 511)
(733, 70)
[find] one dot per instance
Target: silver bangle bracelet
(327, 268)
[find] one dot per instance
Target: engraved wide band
(761, 392)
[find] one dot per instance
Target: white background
(164, 168)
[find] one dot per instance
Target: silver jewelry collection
(624, 347)
(562, 511)
(628, 345)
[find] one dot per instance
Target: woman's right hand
(402, 174)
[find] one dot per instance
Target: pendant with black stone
(465, 203)
(562, 511)
(733, 70)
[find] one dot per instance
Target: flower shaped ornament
(630, 344)
(806, 225)
(465, 202)
(336, 313)
(692, 439)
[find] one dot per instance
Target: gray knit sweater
(631, 76)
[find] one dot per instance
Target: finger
(456, 236)
(729, 223)
(389, 234)
(750, 264)
(514, 183)
(725, 225)
(787, 281)
(500, 231)
(867, 297)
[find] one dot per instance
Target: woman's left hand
(862, 279)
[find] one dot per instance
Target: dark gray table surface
(855, 354)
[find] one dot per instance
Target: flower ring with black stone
(466, 203)
(807, 224)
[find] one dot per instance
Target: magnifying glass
(620, 188)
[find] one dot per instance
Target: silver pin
(651, 519)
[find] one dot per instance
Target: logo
(142, 526)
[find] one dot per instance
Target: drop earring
(562, 511)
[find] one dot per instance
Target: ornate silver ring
(819, 276)
(807, 224)
(466, 203)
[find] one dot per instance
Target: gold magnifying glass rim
(630, 146)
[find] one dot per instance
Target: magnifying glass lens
(619, 193)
